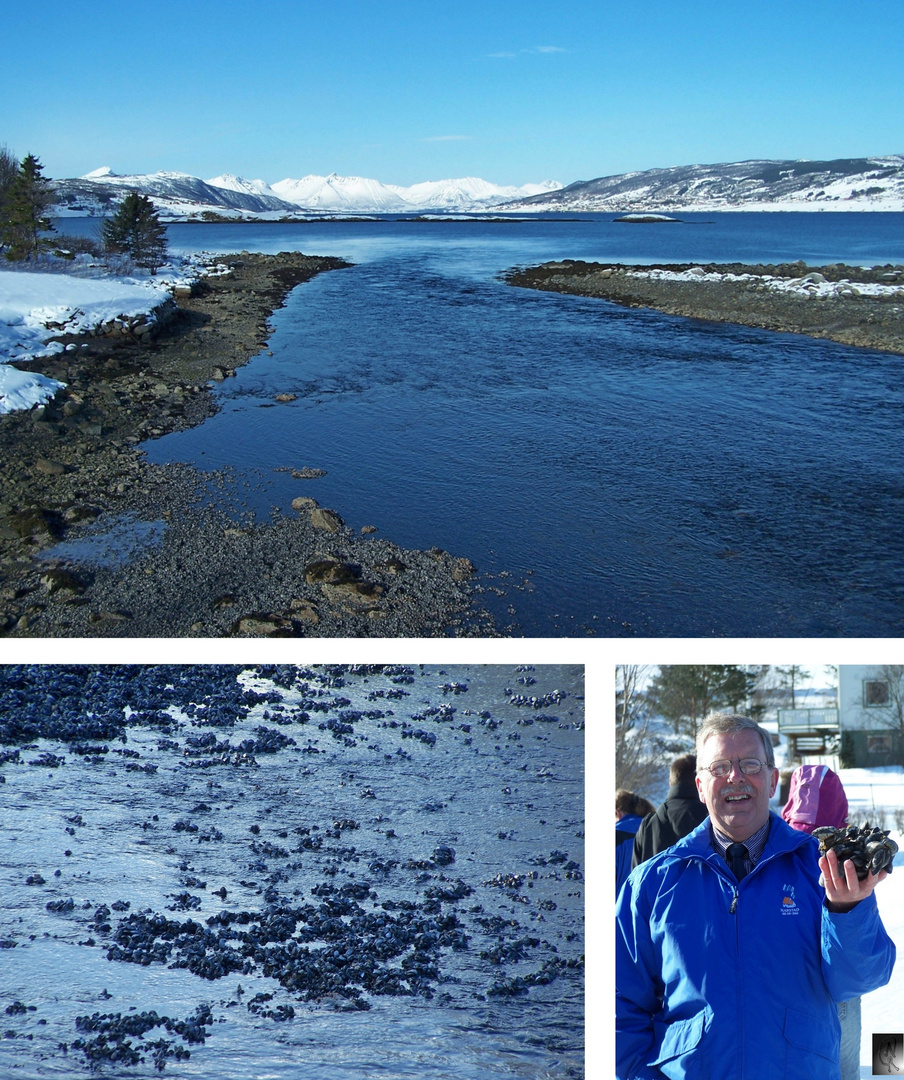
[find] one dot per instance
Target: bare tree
(889, 683)
(636, 763)
(762, 693)
(9, 167)
(790, 677)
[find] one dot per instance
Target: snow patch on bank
(37, 307)
(810, 285)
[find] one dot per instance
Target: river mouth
(557, 442)
(298, 865)
(609, 471)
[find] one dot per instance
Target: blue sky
(406, 92)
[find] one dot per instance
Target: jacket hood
(816, 797)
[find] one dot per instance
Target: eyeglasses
(749, 766)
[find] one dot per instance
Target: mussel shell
(880, 859)
(870, 848)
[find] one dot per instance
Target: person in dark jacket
(681, 812)
(630, 810)
(731, 947)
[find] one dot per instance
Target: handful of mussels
(869, 848)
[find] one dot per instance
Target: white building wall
(853, 713)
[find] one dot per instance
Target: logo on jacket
(789, 904)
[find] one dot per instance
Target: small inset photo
(888, 1054)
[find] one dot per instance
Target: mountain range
(180, 195)
(874, 183)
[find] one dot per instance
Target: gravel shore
(72, 469)
(849, 304)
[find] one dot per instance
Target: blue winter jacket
(625, 831)
(716, 978)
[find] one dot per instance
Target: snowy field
(36, 307)
(869, 790)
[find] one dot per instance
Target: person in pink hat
(817, 798)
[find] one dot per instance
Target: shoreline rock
(73, 468)
(852, 305)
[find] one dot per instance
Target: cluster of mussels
(870, 849)
(114, 1035)
(345, 946)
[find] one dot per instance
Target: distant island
(648, 219)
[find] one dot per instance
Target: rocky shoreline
(848, 304)
(73, 468)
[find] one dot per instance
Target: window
(878, 744)
(875, 693)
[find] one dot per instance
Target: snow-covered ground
(811, 285)
(867, 790)
(891, 204)
(36, 306)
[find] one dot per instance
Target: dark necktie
(737, 859)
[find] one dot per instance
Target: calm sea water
(371, 774)
(613, 471)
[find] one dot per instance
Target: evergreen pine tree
(24, 216)
(685, 693)
(135, 230)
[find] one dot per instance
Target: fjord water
(613, 471)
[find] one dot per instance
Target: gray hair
(720, 723)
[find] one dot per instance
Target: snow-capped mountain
(175, 194)
(875, 183)
(347, 194)
(179, 195)
(470, 191)
(359, 195)
(239, 183)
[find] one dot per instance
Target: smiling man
(731, 947)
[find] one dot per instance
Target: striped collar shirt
(754, 844)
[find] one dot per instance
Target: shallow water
(99, 546)
(504, 790)
(610, 471)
